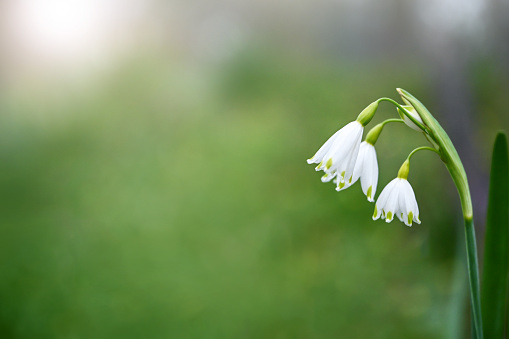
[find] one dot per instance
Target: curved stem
(473, 277)
(408, 115)
(422, 149)
(391, 120)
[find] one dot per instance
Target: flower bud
(410, 109)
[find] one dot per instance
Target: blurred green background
(153, 181)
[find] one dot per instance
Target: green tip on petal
(329, 163)
(368, 194)
(341, 184)
(389, 216)
(410, 217)
(376, 212)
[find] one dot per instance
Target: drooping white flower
(397, 198)
(338, 155)
(366, 168)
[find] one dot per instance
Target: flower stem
(422, 149)
(409, 116)
(473, 276)
(392, 120)
(452, 161)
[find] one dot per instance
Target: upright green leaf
(496, 252)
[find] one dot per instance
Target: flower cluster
(345, 158)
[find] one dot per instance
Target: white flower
(338, 155)
(366, 168)
(397, 198)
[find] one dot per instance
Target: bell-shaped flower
(397, 198)
(366, 168)
(338, 155)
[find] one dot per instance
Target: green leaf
(496, 252)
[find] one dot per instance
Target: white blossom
(337, 157)
(397, 198)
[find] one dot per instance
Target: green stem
(473, 276)
(453, 163)
(391, 120)
(422, 149)
(409, 116)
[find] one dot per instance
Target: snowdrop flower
(398, 198)
(337, 157)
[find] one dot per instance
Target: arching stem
(408, 115)
(423, 148)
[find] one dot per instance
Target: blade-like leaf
(496, 252)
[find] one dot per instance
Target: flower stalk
(344, 159)
(452, 161)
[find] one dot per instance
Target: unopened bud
(410, 109)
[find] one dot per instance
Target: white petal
(335, 157)
(344, 145)
(343, 132)
(405, 203)
(338, 153)
(382, 199)
(414, 206)
(318, 157)
(369, 176)
(328, 177)
(344, 153)
(392, 206)
(352, 157)
(359, 164)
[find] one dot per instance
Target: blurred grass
(172, 205)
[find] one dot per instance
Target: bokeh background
(153, 181)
